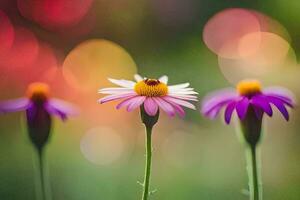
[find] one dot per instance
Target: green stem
(254, 175)
(148, 163)
(41, 171)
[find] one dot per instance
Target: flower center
(151, 88)
(248, 87)
(38, 92)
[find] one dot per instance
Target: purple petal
(286, 101)
(31, 112)
(53, 111)
(262, 102)
(213, 112)
(61, 108)
(216, 100)
(258, 112)
(228, 111)
(150, 106)
(281, 93)
(15, 105)
(242, 107)
(280, 105)
(167, 107)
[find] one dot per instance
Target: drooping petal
(126, 102)
(242, 107)
(116, 96)
(165, 106)
(261, 102)
(288, 102)
(31, 111)
(178, 109)
(164, 79)
(228, 111)
(179, 102)
(150, 106)
(213, 113)
(280, 105)
(61, 108)
(15, 105)
(136, 103)
(123, 83)
(216, 100)
(282, 93)
(53, 111)
(138, 77)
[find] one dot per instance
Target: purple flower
(39, 108)
(247, 97)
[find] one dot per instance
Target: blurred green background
(100, 154)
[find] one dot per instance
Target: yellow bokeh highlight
(263, 54)
(88, 65)
(102, 145)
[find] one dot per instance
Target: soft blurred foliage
(75, 45)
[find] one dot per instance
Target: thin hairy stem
(148, 163)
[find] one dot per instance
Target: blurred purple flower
(249, 95)
(38, 100)
(39, 108)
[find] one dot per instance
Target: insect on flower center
(248, 87)
(151, 88)
(38, 92)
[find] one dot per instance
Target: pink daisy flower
(152, 94)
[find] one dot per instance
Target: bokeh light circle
(272, 54)
(88, 65)
(268, 24)
(102, 145)
(223, 31)
(52, 14)
(24, 50)
(6, 33)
